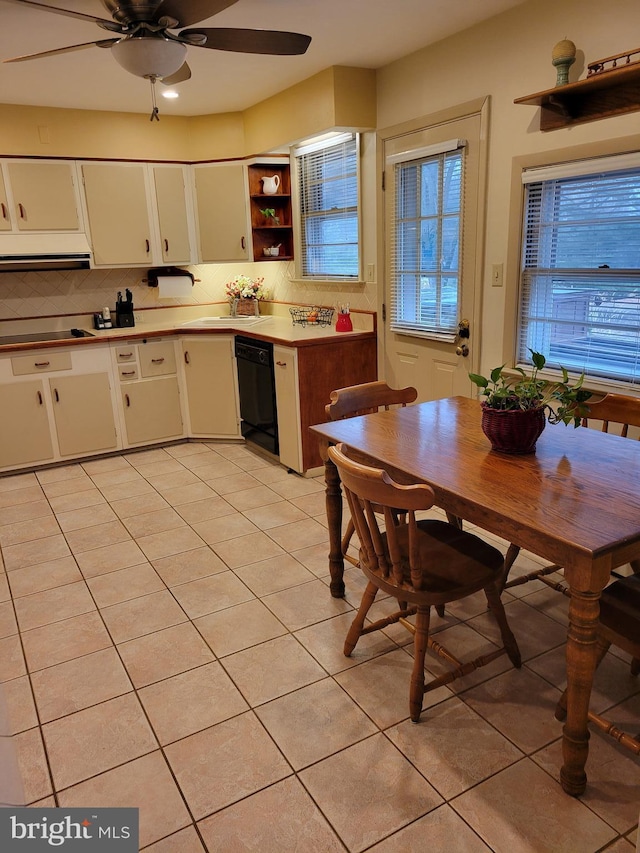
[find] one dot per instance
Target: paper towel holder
(155, 272)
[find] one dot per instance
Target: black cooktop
(36, 337)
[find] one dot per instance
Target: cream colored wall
(506, 58)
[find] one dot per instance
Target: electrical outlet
(137, 316)
(371, 272)
(497, 275)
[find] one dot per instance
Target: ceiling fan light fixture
(149, 57)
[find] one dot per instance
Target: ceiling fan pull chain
(155, 114)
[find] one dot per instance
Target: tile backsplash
(52, 293)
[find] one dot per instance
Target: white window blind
(580, 279)
(328, 200)
(425, 250)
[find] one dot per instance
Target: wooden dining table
(574, 502)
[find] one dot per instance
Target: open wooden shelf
(608, 93)
(264, 234)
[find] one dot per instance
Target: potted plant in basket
(518, 404)
(244, 294)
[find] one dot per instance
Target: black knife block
(124, 315)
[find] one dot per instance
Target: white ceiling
(361, 33)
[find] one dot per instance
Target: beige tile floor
(168, 641)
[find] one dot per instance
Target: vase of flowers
(244, 294)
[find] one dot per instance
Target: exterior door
(436, 362)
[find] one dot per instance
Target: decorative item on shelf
(270, 185)
(343, 323)
(244, 294)
(270, 216)
(311, 316)
(517, 407)
(563, 56)
(610, 63)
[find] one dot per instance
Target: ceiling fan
(145, 46)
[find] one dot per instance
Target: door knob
(462, 350)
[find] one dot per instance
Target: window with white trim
(426, 243)
(580, 275)
(327, 188)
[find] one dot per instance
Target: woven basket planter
(514, 431)
(246, 308)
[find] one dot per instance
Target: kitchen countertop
(277, 329)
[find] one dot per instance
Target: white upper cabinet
(222, 212)
(39, 195)
(175, 218)
(138, 214)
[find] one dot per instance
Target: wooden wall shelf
(608, 93)
(264, 234)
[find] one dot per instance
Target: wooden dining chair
(619, 626)
(364, 399)
(421, 564)
(617, 412)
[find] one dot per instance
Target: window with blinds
(580, 278)
(425, 251)
(328, 195)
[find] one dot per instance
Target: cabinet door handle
(128, 373)
(146, 243)
(186, 357)
(42, 364)
(281, 363)
(22, 211)
(166, 245)
(157, 360)
(56, 395)
(4, 210)
(125, 354)
(242, 243)
(127, 400)
(39, 398)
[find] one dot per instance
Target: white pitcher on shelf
(270, 185)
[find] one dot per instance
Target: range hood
(61, 251)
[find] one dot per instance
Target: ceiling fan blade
(189, 12)
(274, 42)
(107, 25)
(72, 47)
(183, 73)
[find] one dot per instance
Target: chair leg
(509, 559)
(497, 608)
(420, 642)
(602, 648)
(355, 631)
(440, 610)
(635, 666)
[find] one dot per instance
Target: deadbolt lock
(463, 329)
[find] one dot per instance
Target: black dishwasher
(256, 383)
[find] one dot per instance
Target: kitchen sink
(216, 322)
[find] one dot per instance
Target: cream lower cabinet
(25, 435)
(152, 410)
(149, 391)
(56, 404)
(83, 414)
(288, 404)
(212, 386)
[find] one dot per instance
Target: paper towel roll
(174, 286)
